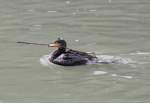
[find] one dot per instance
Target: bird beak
(53, 45)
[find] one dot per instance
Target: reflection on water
(116, 29)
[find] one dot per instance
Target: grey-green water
(107, 27)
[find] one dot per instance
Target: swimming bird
(68, 57)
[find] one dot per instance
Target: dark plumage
(68, 57)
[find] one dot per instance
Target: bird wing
(79, 53)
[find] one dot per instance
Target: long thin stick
(31, 43)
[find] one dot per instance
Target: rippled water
(111, 28)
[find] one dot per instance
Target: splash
(101, 59)
(108, 59)
(44, 60)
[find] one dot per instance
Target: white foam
(99, 72)
(127, 77)
(92, 61)
(113, 59)
(45, 60)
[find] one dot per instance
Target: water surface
(107, 27)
